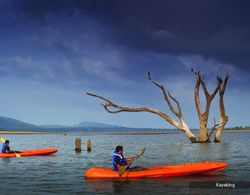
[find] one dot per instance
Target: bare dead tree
(113, 108)
(203, 116)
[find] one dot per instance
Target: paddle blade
(17, 155)
(2, 139)
(122, 170)
(142, 151)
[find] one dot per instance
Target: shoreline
(235, 131)
(29, 132)
(114, 133)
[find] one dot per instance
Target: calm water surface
(62, 173)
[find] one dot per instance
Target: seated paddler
(6, 147)
(118, 160)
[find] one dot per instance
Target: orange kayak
(162, 171)
(38, 152)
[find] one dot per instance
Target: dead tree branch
(181, 126)
(212, 130)
(223, 116)
(177, 113)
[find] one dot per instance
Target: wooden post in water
(78, 145)
(89, 144)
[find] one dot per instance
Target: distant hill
(54, 126)
(10, 124)
(97, 125)
(13, 124)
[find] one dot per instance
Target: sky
(54, 51)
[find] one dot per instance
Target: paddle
(123, 169)
(3, 140)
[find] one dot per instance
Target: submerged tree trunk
(203, 131)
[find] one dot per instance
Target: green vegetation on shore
(238, 128)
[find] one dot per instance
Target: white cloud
(209, 65)
(36, 69)
(107, 65)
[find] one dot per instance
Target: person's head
(7, 142)
(119, 149)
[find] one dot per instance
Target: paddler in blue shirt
(6, 148)
(118, 160)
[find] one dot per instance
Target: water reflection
(5, 160)
(151, 186)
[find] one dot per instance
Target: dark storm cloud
(218, 29)
(108, 46)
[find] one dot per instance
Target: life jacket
(123, 162)
(4, 148)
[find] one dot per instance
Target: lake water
(62, 173)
